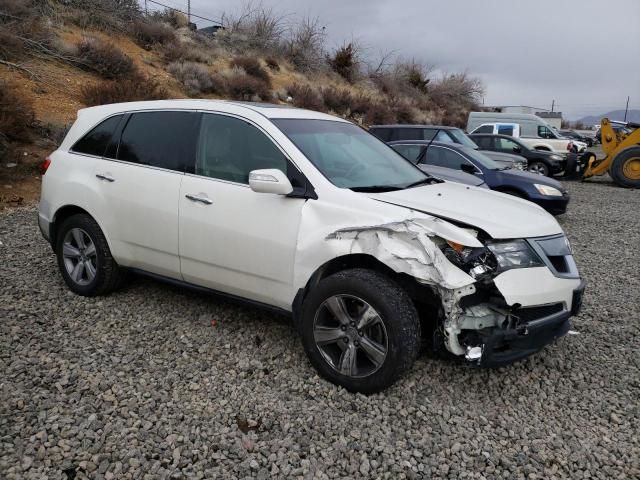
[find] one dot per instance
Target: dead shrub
(177, 51)
(149, 33)
(272, 63)
(404, 113)
(172, 17)
(305, 46)
(196, 78)
(338, 100)
(361, 104)
(345, 62)
(245, 87)
(16, 113)
(305, 96)
(104, 59)
(254, 27)
(251, 66)
(130, 89)
(108, 15)
(379, 113)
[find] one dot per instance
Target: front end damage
(491, 313)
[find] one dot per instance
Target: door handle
(105, 176)
(199, 198)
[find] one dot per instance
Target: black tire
(108, 275)
(541, 168)
(395, 310)
(617, 167)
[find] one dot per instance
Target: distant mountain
(632, 116)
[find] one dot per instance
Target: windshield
(462, 138)
(482, 159)
(349, 156)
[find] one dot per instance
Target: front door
(231, 238)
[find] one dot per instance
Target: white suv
(308, 214)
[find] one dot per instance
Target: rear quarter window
(383, 134)
(96, 141)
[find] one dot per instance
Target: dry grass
(305, 96)
(104, 59)
(242, 86)
(149, 33)
(127, 90)
(251, 66)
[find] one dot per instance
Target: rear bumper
(507, 346)
(45, 227)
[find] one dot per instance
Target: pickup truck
(551, 142)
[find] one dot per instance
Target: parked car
(572, 134)
(307, 214)
(546, 192)
(389, 133)
(539, 161)
(532, 130)
(411, 152)
(504, 159)
(618, 127)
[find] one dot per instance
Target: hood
(500, 215)
(507, 158)
(452, 175)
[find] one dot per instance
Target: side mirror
(517, 149)
(468, 168)
(270, 180)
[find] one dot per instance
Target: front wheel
(539, 168)
(625, 168)
(360, 330)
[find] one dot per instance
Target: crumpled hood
(500, 215)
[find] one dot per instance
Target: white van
(532, 129)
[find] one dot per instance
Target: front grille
(528, 314)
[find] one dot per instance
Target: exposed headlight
(547, 190)
(556, 157)
(514, 254)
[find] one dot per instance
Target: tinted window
(544, 132)
(485, 143)
(383, 134)
(230, 148)
(443, 157)
(506, 144)
(410, 152)
(95, 142)
(160, 139)
(408, 134)
(505, 130)
(484, 129)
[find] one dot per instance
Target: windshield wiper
(424, 181)
(376, 188)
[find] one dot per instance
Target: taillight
(570, 146)
(45, 165)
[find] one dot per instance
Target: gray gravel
(157, 382)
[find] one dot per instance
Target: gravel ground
(155, 381)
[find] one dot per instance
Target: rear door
(140, 181)
(233, 239)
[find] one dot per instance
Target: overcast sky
(581, 53)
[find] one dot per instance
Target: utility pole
(626, 110)
(146, 10)
(189, 11)
(553, 103)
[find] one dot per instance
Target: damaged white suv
(308, 214)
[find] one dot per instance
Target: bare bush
(194, 76)
(305, 45)
(172, 17)
(127, 90)
(338, 100)
(110, 15)
(251, 66)
(178, 51)
(255, 27)
(305, 96)
(104, 59)
(149, 33)
(16, 113)
(456, 88)
(245, 87)
(379, 113)
(345, 62)
(272, 63)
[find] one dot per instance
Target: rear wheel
(625, 168)
(360, 330)
(539, 168)
(84, 258)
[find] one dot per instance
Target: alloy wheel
(350, 335)
(80, 256)
(538, 169)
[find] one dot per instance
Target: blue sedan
(544, 191)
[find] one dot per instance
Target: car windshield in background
(351, 157)
(482, 159)
(462, 139)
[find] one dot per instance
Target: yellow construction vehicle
(622, 155)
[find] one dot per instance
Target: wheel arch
(64, 212)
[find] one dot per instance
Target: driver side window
(444, 157)
(544, 132)
(229, 148)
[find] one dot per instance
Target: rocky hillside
(57, 56)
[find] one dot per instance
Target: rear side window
(484, 129)
(160, 139)
(383, 134)
(408, 134)
(95, 142)
(485, 143)
(443, 157)
(505, 130)
(410, 152)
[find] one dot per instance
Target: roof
(268, 110)
(400, 125)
